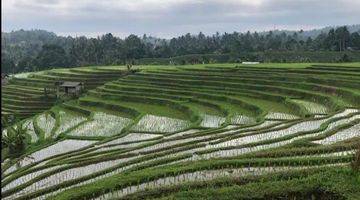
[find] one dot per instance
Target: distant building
(71, 88)
(352, 48)
(250, 63)
(4, 79)
(64, 88)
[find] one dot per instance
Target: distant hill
(32, 39)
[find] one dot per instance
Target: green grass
(204, 109)
(99, 109)
(269, 106)
(155, 110)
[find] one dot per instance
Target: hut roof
(3, 75)
(70, 84)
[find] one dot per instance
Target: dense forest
(39, 50)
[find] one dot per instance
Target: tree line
(40, 50)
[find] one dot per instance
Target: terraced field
(194, 133)
(24, 95)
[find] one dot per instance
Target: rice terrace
(180, 100)
(187, 132)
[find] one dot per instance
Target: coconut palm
(14, 137)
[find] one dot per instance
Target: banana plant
(14, 138)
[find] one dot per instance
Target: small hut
(250, 63)
(72, 88)
(4, 79)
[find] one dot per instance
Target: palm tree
(14, 137)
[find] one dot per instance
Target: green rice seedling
(28, 124)
(153, 123)
(55, 149)
(242, 120)
(342, 135)
(102, 124)
(311, 107)
(198, 176)
(331, 126)
(280, 116)
(67, 121)
(201, 124)
(356, 162)
(132, 137)
(46, 122)
(211, 121)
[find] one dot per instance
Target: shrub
(356, 163)
(344, 58)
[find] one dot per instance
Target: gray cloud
(168, 18)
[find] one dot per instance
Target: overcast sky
(168, 18)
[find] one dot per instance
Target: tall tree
(355, 40)
(51, 56)
(7, 64)
(26, 50)
(342, 37)
(135, 48)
